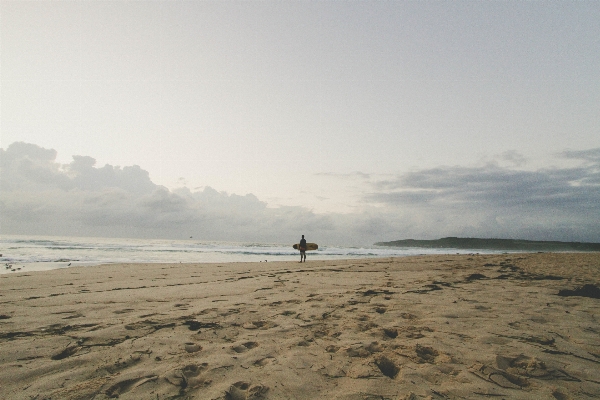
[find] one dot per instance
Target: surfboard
(309, 246)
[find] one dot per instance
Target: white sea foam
(41, 253)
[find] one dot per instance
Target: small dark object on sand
(197, 325)
(588, 290)
(474, 277)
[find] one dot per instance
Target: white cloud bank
(39, 196)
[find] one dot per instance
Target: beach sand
(428, 327)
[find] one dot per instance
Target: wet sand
(429, 327)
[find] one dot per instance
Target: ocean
(38, 253)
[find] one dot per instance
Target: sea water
(36, 253)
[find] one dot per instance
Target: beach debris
(531, 367)
(513, 371)
(375, 292)
(474, 277)
(587, 290)
(194, 325)
(430, 288)
(501, 378)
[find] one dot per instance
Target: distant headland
(493, 244)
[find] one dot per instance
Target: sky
(348, 121)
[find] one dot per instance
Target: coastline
(529, 246)
(32, 253)
(461, 326)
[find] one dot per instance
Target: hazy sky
(356, 121)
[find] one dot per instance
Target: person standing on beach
(302, 249)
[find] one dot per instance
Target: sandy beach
(427, 327)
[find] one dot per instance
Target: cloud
(351, 175)
(514, 158)
(490, 186)
(591, 155)
(85, 176)
(41, 196)
(499, 202)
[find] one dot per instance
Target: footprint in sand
(124, 311)
(191, 347)
(121, 364)
(501, 378)
(367, 327)
(364, 351)
(320, 333)
(188, 376)
(245, 391)
(74, 316)
(193, 370)
(531, 367)
(254, 325)
(67, 352)
(426, 354)
(387, 366)
(129, 384)
(244, 347)
(391, 333)
(408, 316)
(264, 361)
(332, 348)
(259, 325)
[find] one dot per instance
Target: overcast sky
(351, 121)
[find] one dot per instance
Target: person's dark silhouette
(302, 248)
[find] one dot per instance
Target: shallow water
(36, 253)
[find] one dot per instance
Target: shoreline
(33, 252)
(42, 266)
(464, 326)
